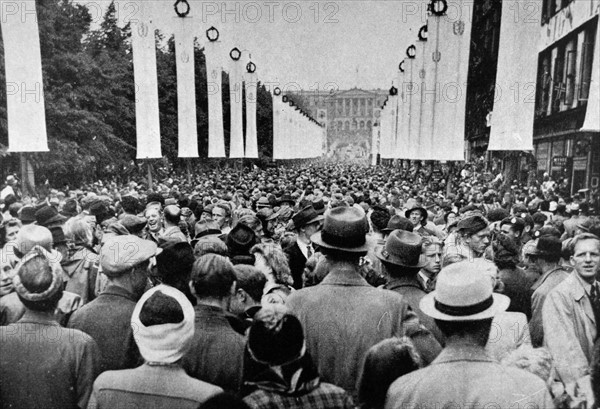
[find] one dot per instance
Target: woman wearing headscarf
(163, 324)
(278, 372)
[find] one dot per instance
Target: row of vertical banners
(295, 136)
(424, 117)
(147, 118)
(25, 99)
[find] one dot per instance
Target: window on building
(340, 125)
(362, 124)
(369, 124)
(570, 65)
(347, 126)
(587, 61)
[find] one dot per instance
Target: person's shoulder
(407, 382)
(202, 390)
(114, 379)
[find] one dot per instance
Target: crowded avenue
(180, 227)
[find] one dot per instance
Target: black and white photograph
(310, 204)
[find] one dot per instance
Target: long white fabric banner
(592, 114)
(214, 68)
(186, 88)
(251, 134)
(454, 42)
(236, 132)
(513, 112)
(24, 85)
(147, 119)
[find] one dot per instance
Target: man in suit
(572, 310)
(463, 306)
(344, 316)
(306, 223)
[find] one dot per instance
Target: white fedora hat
(464, 292)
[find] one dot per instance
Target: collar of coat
(345, 275)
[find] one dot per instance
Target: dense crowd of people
(305, 286)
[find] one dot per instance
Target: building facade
(566, 66)
(348, 115)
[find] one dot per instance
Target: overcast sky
(315, 44)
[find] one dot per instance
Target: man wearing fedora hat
(463, 306)
(401, 257)
(344, 316)
(306, 223)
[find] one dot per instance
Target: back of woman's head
(384, 363)
(79, 232)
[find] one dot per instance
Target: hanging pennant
(512, 119)
(214, 68)
(147, 120)
(24, 84)
(186, 88)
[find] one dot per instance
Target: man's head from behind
(125, 261)
(39, 283)
(213, 278)
(463, 303)
(250, 283)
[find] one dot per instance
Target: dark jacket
(516, 287)
(412, 292)
(107, 320)
(217, 352)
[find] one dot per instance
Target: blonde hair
(79, 232)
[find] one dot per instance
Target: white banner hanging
(454, 42)
(414, 141)
(186, 88)
(236, 132)
(25, 106)
(251, 100)
(143, 44)
(513, 112)
(214, 70)
(592, 114)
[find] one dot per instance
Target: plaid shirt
(325, 396)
